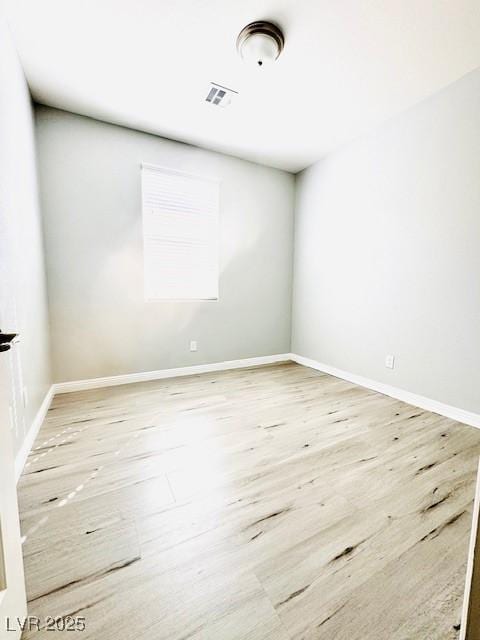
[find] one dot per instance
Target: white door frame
(470, 626)
(13, 605)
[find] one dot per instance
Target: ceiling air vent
(220, 96)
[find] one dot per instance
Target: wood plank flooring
(267, 503)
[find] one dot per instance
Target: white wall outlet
(390, 361)
(193, 345)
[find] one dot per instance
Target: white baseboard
(112, 381)
(32, 433)
(466, 417)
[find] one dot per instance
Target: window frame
(148, 298)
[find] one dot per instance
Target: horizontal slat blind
(180, 233)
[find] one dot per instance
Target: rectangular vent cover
(220, 96)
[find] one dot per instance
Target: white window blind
(180, 234)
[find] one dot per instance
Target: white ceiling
(347, 66)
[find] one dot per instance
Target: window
(180, 235)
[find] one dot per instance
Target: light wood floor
(271, 503)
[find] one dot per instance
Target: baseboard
(466, 417)
(112, 381)
(32, 433)
(460, 415)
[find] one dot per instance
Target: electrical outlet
(193, 345)
(390, 361)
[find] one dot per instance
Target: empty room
(239, 320)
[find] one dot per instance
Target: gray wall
(387, 252)
(101, 326)
(23, 299)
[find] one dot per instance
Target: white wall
(101, 326)
(23, 299)
(387, 252)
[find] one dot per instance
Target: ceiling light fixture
(260, 43)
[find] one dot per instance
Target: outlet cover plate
(390, 361)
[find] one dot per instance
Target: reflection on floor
(270, 503)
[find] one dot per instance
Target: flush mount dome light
(260, 43)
